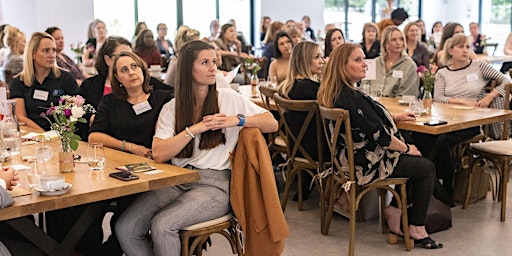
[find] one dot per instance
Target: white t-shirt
(230, 103)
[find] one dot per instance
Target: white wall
(72, 16)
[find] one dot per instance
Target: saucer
(61, 191)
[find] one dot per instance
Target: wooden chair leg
(405, 219)
(504, 182)
(299, 190)
(352, 222)
(383, 222)
(473, 164)
(288, 183)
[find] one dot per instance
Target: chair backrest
(506, 124)
(267, 93)
(310, 108)
(333, 119)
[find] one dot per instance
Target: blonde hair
(371, 25)
(12, 39)
(28, 73)
(271, 31)
(457, 39)
(335, 75)
(300, 65)
(386, 37)
(408, 26)
(184, 34)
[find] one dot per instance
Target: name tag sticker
(141, 107)
(398, 73)
(472, 77)
(41, 95)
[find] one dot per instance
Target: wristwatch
(242, 119)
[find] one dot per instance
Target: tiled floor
(476, 231)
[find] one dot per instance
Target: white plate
(53, 192)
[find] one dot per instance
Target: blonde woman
(184, 34)
(395, 70)
(14, 41)
(40, 83)
(371, 43)
(415, 48)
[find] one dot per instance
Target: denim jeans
(165, 211)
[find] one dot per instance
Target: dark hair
(138, 28)
(435, 23)
(139, 43)
(448, 32)
(118, 90)
(223, 30)
(185, 99)
(51, 30)
(280, 34)
(108, 48)
(399, 14)
(328, 36)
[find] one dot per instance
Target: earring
(121, 85)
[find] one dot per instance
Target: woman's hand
(485, 102)
(405, 116)
(219, 121)
(139, 150)
(10, 176)
(413, 150)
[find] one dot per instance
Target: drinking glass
(96, 157)
(35, 171)
(376, 91)
(272, 81)
(365, 87)
(11, 141)
(416, 107)
(43, 148)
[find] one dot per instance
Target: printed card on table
(371, 73)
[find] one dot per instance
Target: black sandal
(427, 243)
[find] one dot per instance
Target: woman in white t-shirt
(197, 130)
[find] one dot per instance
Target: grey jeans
(165, 211)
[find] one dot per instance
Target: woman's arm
(88, 62)
(21, 115)
(272, 70)
(508, 45)
(114, 143)
(400, 146)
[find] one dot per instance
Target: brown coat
(254, 197)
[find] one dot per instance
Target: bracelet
(189, 134)
(408, 148)
(122, 145)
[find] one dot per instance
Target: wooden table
(89, 187)
(458, 117)
(248, 92)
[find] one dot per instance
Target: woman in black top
(370, 43)
(41, 82)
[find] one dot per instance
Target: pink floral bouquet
(428, 76)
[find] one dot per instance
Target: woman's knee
(426, 168)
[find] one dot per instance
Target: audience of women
(265, 23)
(196, 130)
(435, 36)
(374, 128)
(63, 61)
(146, 48)
(448, 31)
(283, 45)
(164, 45)
(415, 48)
(93, 45)
(268, 45)
(333, 39)
(14, 41)
(370, 43)
(302, 83)
(463, 80)
(40, 83)
(231, 50)
(294, 34)
(184, 34)
(141, 26)
(394, 69)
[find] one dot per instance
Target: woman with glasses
(40, 83)
(164, 45)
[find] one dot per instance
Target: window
(154, 12)
(240, 11)
(120, 24)
(198, 14)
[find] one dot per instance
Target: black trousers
(420, 186)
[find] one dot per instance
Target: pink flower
(67, 112)
(79, 100)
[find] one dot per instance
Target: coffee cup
(53, 182)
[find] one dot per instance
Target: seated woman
(463, 80)
(141, 26)
(394, 69)
(63, 61)
(41, 82)
(370, 43)
(415, 48)
(15, 41)
(294, 34)
(283, 45)
(448, 31)
(164, 45)
(125, 119)
(146, 48)
(93, 45)
(302, 83)
(231, 50)
(268, 45)
(184, 34)
(333, 39)
(375, 130)
(196, 130)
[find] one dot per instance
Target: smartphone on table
(435, 122)
(123, 176)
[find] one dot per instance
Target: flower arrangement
(70, 110)
(427, 75)
(78, 50)
(253, 64)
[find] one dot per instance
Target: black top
(55, 86)
(311, 34)
(117, 118)
(305, 89)
(374, 51)
(478, 47)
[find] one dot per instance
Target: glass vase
(66, 163)
(427, 101)
(254, 83)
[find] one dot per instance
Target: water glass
(376, 91)
(96, 157)
(43, 148)
(11, 141)
(416, 107)
(36, 170)
(272, 81)
(365, 87)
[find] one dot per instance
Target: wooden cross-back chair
(276, 141)
(334, 119)
(303, 162)
(499, 154)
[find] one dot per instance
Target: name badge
(398, 73)
(40, 95)
(141, 107)
(472, 77)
